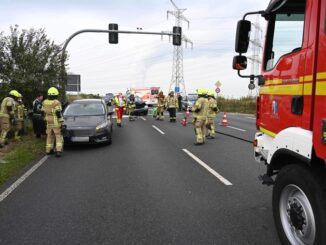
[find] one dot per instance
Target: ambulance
(291, 114)
(147, 94)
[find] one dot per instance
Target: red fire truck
(291, 114)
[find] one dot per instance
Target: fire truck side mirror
(242, 36)
(239, 62)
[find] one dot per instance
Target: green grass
(19, 156)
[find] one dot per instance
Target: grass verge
(18, 155)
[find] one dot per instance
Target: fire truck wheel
(299, 205)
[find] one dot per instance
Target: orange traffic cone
(187, 112)
(225, 120)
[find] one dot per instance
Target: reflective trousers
(200, 129)
(173, 113)
(5, 128)
(211, 126)
(119, 113)
(53, 135)
(159, 112)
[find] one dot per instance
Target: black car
(87, 121)
(141, 107)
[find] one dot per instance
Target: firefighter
(200, 115)
(160, 106)
(131, 107)
(38, 122)
(211, 114)
(7, 115)
(20, 116)
(120, 107)
(52, 110)
(172, 104)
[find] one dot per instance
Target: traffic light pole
(106, 31)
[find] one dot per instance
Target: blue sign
(177, 89)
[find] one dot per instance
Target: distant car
(88, 121)
(108, 98)
(189, 101)
(141, 107)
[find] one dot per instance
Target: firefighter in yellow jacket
(211, 114)
(7, 115)
(172, 104)
(19, 115)
(52, 111)
(200, 115)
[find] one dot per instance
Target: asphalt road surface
(148, 187)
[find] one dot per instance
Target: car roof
(88, 101)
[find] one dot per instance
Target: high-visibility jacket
(53, 113)
(20, 112)
(171, 102)
(7, 108)
(212, 108)
(119, 101)
(200, 108)
(160, 100)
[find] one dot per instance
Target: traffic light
(113, 37)
(177, 39)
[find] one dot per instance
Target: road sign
(217, 90)
(218, 84)
(73, 83)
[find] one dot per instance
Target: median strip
(208, 168)
(21, 179)
(159, 130)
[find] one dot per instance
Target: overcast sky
(139, 60)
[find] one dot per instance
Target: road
(145, 188)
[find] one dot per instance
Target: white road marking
(159, 130)
(143, 118)
(22, 178)
(251, 118)
(208, 168)
(242, 130)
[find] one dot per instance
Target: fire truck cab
(291, 114)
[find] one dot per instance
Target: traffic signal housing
(113, 37)
(177, 39)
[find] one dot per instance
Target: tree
(30, 63)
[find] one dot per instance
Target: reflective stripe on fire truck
(270, 133)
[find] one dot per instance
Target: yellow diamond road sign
(218, 84)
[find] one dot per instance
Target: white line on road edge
(159, 130)
(251, 118)
(237, 128)
(22, 178)
(143, 118)
(208, 168)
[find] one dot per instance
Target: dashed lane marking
(21, 179)
(208, 168)
(143, 118)
(159, 130)
(239, 129)
(253, 118)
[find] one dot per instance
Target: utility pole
(177, 79)
(256, 48)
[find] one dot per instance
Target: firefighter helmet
(53, 91)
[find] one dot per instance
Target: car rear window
(84, 109)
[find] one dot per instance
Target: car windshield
(84, 109)
(192, 97)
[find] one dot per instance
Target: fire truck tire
(299, 205)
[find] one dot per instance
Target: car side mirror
(109, 103)
(239, 62)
